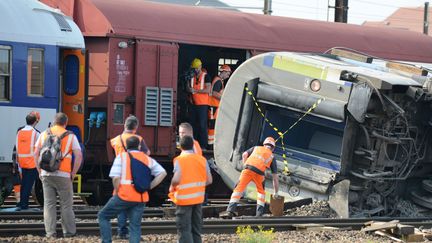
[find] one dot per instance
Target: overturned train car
(357, 133)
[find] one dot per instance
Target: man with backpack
(53, 151)
(131, 173)
(24, 156)
(119, 145)
(191, 176)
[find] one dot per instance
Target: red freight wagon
(138, 52)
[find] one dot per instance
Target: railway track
(216, 225)
(79, 214)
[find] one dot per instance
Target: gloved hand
(276, 195)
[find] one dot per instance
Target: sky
(358, 12)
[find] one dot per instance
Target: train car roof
(30, 21)
(214, 27)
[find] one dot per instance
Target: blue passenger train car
(41, 57)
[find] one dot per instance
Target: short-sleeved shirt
(116, 168)
(75, 146)
(273, 165)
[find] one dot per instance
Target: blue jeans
(29, 177)
(115, 206)
(122, 229)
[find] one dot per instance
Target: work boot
(259, 211)
(227, 214)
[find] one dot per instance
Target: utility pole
(267, 7)
(341, 11)
(426, 19)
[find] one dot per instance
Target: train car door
(74, 91)
(155, 91)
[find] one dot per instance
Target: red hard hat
(269, 141)
(225, 68)
(36, 114)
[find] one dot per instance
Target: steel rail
(217, 225)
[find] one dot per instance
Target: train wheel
(100, 193)
(37, 192)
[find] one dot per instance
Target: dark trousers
(199, 117)
(29, 177)
(189, 223)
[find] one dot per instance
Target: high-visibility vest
(199, 84)
(191, 189)
(66, 147)
(126, 190)
(261, 158)
(197, 148)
(117, 145)
(213, 101)
(25, 142)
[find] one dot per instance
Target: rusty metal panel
(98, 71)
(120, 83)
(156, 66)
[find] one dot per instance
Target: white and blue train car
(37, 64)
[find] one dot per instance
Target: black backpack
(51, 154)
(141, 175)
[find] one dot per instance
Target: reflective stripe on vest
(260, 158)
(126, 190)
(199, 98)
(191, 189)
(25, 142)
(213, 101)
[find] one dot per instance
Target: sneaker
(68, 235)
(227, 215)
(123, 237)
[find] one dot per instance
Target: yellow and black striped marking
(281, 135)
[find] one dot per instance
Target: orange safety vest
(197, 148)
(25, 142)
(126, 190)
(199, 98)
(261, 158)
(66, 147)
(191, 189)
(213, 101)
(117, 144)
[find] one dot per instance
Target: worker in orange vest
(59, 182)
(257, 159)
(119, 145)
(199, 89)
(126, 197)
(191, 176)
(185, 129)
(24, 155)
(217, 88)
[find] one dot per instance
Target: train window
(71, 75)
(35, 72)
(5, 73)
(227, 61)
